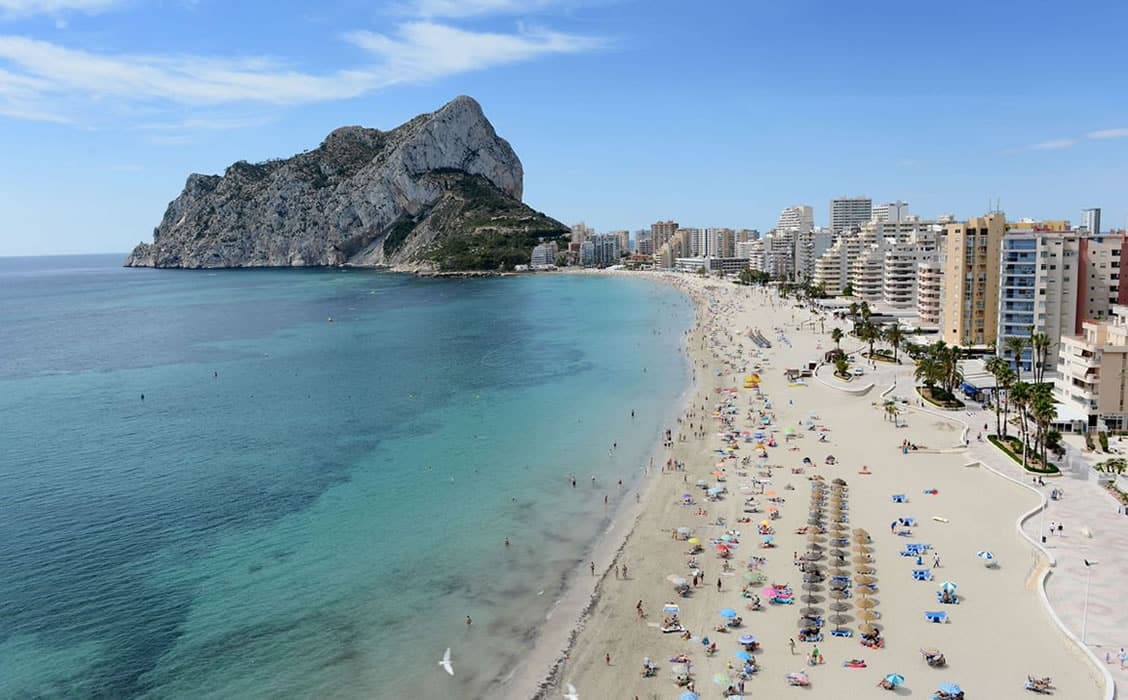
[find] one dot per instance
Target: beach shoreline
(553, 644)
(607, 632)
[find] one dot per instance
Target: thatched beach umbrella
(810, 598)
(815, 537)
(867, 570)
(816, 547)
(867, 603)
(861, 549)
(839, 481)
(840, 605)
(839, 571)
(860, 560)
(867, 629)
(863, 580)
(839, 595)
(811, 610)
(860, 531)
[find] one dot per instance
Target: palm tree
(836, 335)
(895, 336)
(1006, 381)
(1040, 350)
(1044, 411)
(841, 366)
(869, 332)
(1015, 345)
(1021, 396)
(928, 371)
(995, 365)
(949, 358)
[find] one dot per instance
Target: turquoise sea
(302, 508)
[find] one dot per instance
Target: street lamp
(1085, 611)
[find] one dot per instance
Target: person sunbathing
(855, 663)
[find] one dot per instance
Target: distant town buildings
(544, 255)
(1091, 219)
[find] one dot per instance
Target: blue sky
(711, 113)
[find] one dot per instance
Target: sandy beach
(995, 636)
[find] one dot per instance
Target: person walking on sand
(624, 571)
(593, 568)
(607, 658)
(936, 560)
(469, 621)
(791, 643)
(718, 584)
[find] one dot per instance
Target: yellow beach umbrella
(693, 540)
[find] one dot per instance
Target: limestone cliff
(442, 191)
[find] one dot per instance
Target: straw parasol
(839, 482)
(810, 610)
(839, 571)
(815, 537)
(816, 547)
(867, 603)
(859, 531)
(839, 595)
(863, 580)
(860, 560)
(867, 570)
(810, 598)
(867, 629)
(861, 549)
(840, 605)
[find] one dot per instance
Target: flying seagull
(445, 662)
(571, 694)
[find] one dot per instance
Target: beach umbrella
(867, 629)
(727, 538)
(770, 494)
(670, 608)
(839, 619)
(773, 508)
(868, 570)
(815, 537)
(684, 531)
(810, 598)
(689, 696)
(816, 547)
(811, 610)
(948, 587)
(814, 520)
(867, 603)
(859, 531)
(895, 679)
(862, 580)
(839, 605)
(743, 655)
(728, 613)
(841, 554)
(860, 560)
(770, 592)
(950, 688)
(693, 540)
(765, 523)
(789, 431)
(768, 539)
(747, 639)
(868, 616)
(839, 595)
(986, 556)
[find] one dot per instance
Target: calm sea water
(299, 508)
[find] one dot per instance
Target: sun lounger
(842, 633)
(938, 616)
(922, 574)
(900, 498)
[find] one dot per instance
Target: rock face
(441, 192)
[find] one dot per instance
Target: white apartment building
(1092, 373)
(773, 254)
(847, 213)
(866, 272)
(832, 269)
(1053, 281)
(893, 212)
(901, 272)
(581, 232)
(797, 219)
(809, 247)
(929, 285)
(544, 255)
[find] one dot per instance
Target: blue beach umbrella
(985, 556)
(895, 679)
(743, 656)
(747, 639)
(948, 587)
(950, 688)
(688, 696)
(728, 613)
(768, 539)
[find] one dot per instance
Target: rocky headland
(441, 193)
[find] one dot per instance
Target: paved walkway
(1086, 507)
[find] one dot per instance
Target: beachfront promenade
(1092, 530)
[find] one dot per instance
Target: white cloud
(1051, 145)
(1108, 134)
(24, 8)
(42, 77)
(425, 50)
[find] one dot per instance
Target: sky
(623, 112)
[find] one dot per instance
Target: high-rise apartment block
(1092, 372)
(662, 231)
(847, 213)
(1052, 282)
(970, 258)
(796, 219)
(581, 232)
(929, 286)
(1091, 219)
